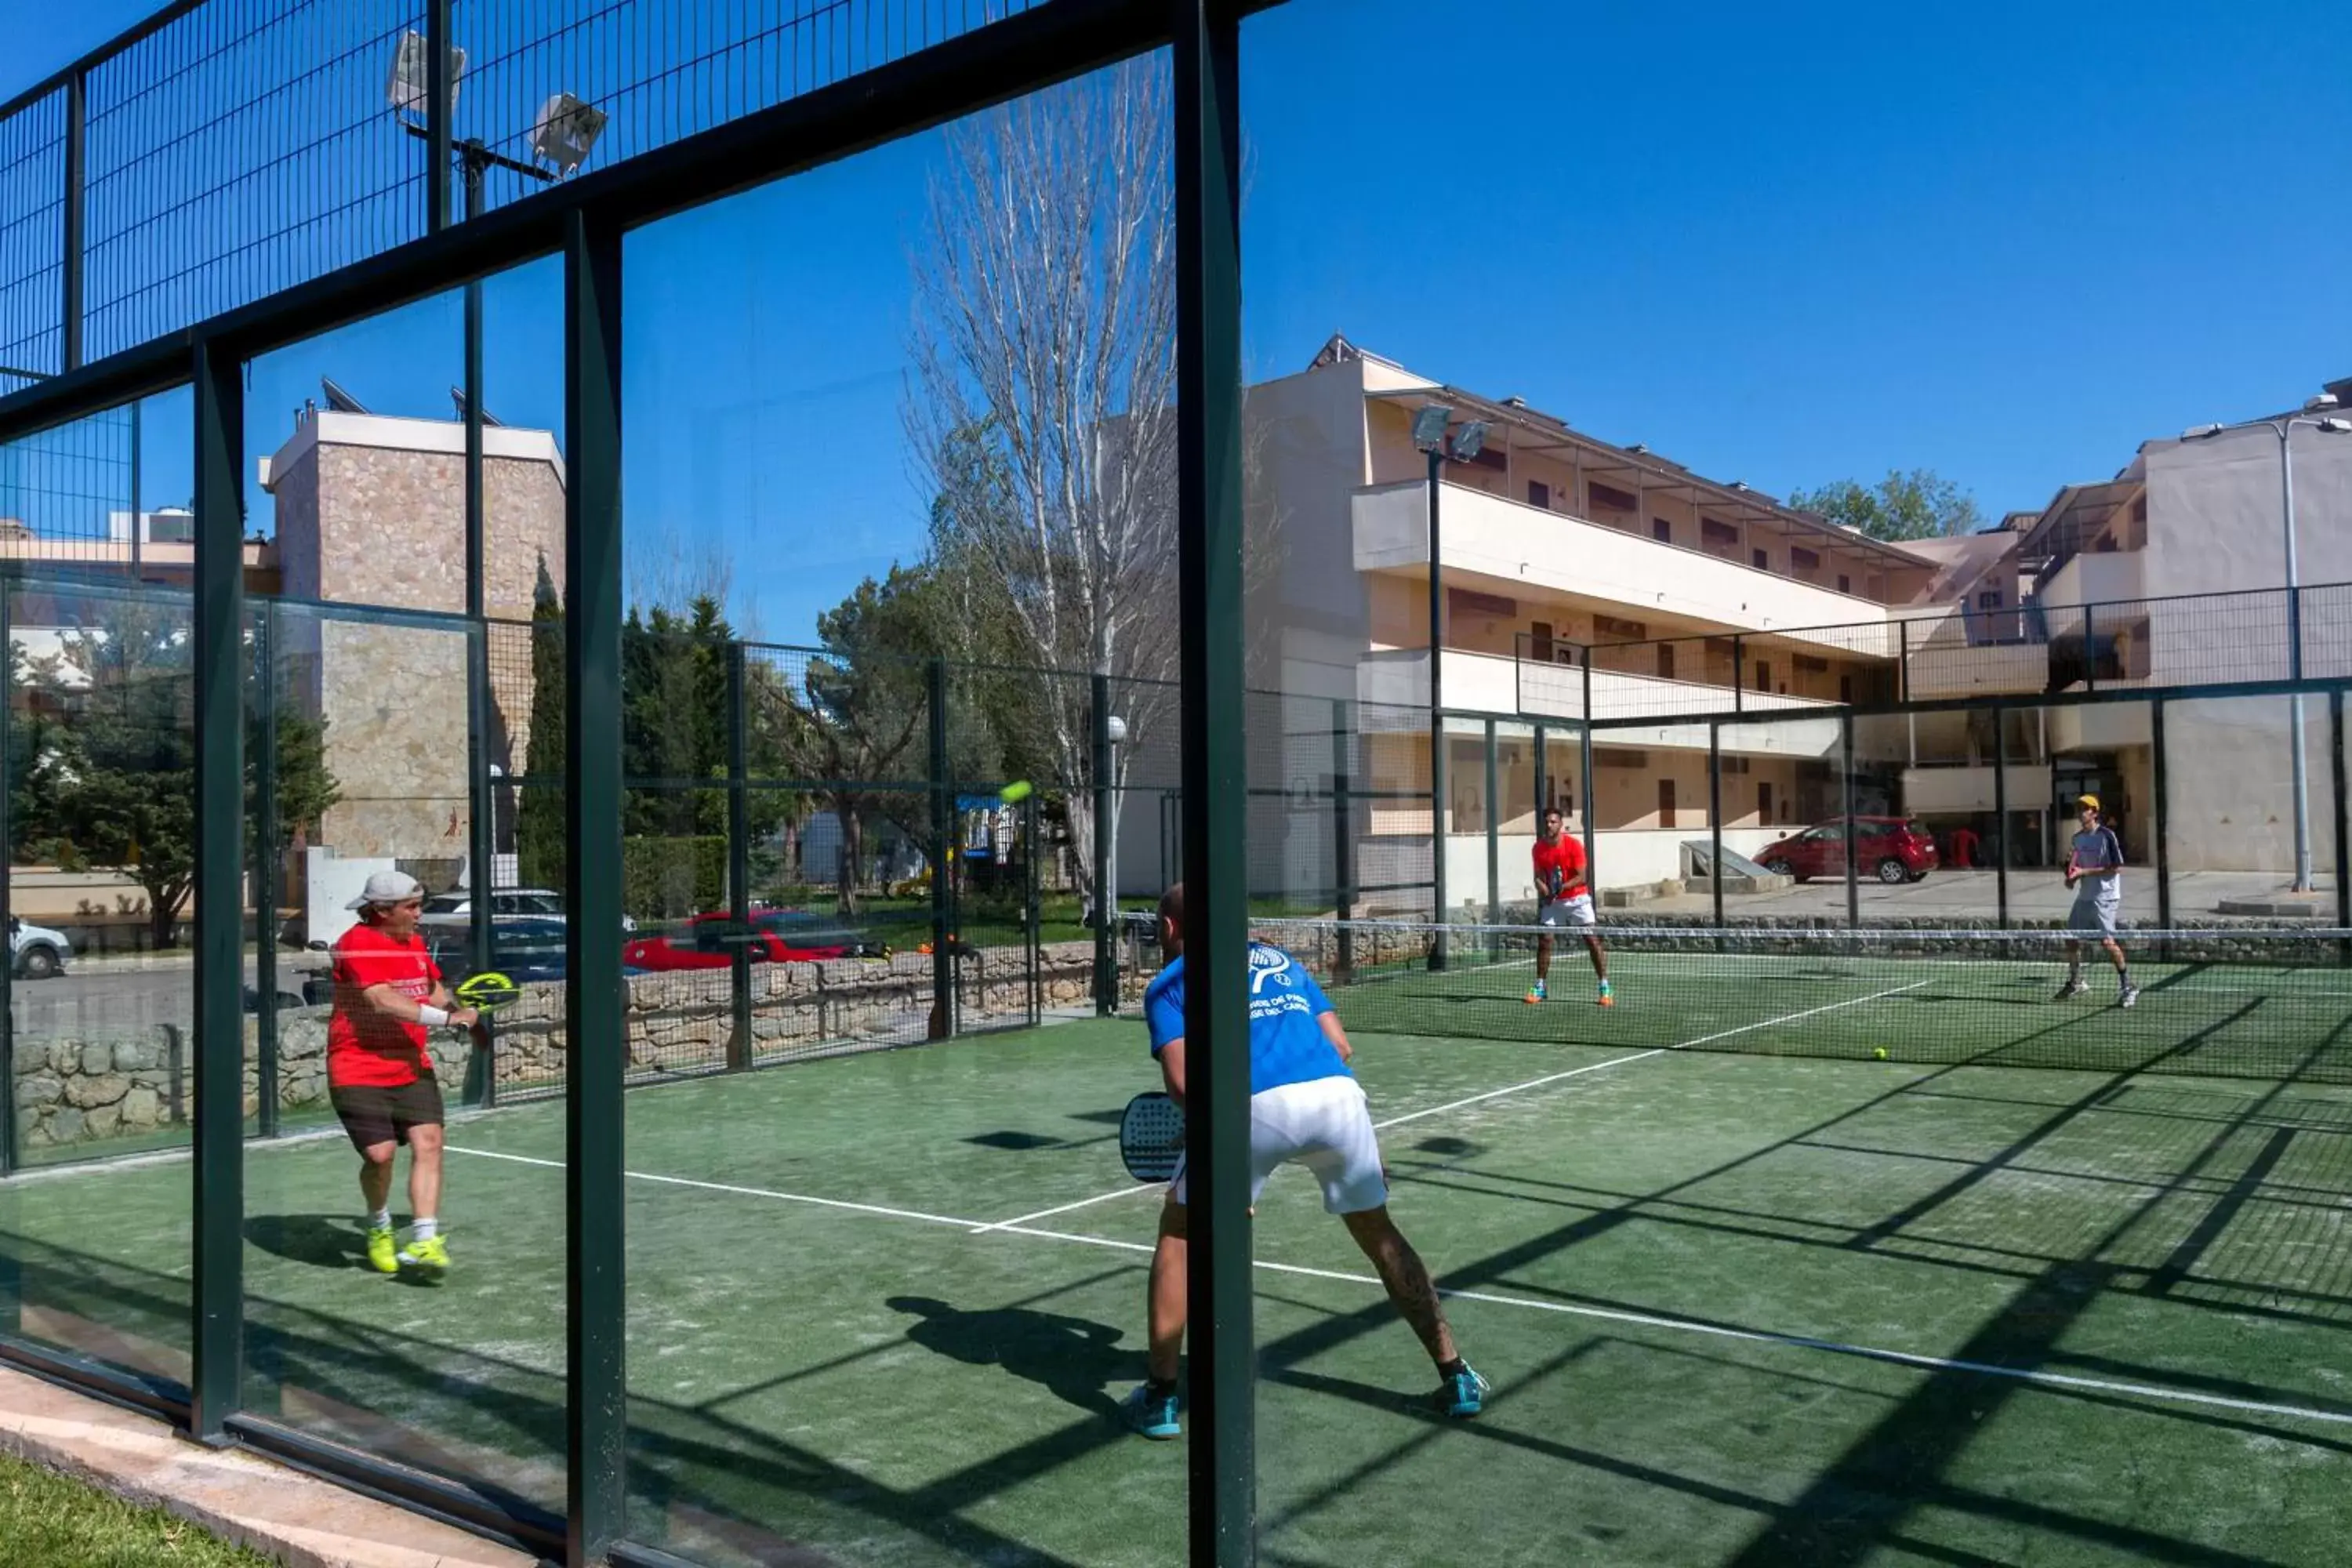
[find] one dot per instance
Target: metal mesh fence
(66, 494)
(243, 147)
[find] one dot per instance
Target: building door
(1764, 803)
(1665, 661)
(1665, 802)
(1540, 641)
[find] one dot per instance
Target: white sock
(424, 1227)
(380, 1220)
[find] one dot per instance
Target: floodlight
(1469, 440)
(1428, 426)
(2314, 405)
(2335, 427)
(565, 130)
(407, 87)
(1116, 728)
(2199, 432)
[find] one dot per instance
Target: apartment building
(1586, 577)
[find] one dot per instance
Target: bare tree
(1042, 400)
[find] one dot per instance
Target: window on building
(1718, 536)
(1989, 600)
(1666, 802)
(1760, 559)
(1803, 560)
(1845, 688)
(1763, 675)
(1609, 497)
(1662, 530)
(1665, 661)
(1764, 800)
(1540, 494)
(1539, 644)
(1846, 584)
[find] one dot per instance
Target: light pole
(2284, 428)
(1116, 728)
(564, 132)
(1429, 434)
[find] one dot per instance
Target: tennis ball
(1880, 1053)
(1018, 790)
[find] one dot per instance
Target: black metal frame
(583, 221)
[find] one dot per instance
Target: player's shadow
(318, 1240)
(1074, 1359)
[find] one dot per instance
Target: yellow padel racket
(487, 991)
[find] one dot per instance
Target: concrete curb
(284, 1514)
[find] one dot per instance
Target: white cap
(388, 888)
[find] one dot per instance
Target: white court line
(1134, 1187)
(1678, 1325)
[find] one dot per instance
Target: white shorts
(1324, 1125)
(1575, 911)
(2092, 913)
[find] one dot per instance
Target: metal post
(2090, 649)
(738, 856)
(1343, 835)
(2160, 808)
(137, 489)
(1853, 886)
(1903, 635)
(942, 857)
(596, 1417)
(9, 1302)
(481, 843)
(264, 865)
(1738, 674)
(1437, 813)
(1222, 1463)
(1543, 774)
(1494, 836)
(2301, 773)
(1032, 915)
(1592, 807)
(438, 96)
(77, 205)
(2343, 841)
(1106, 901)
(218, 1299)
(1715, 817)
(2000, 811)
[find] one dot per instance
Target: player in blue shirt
(1307, 1109)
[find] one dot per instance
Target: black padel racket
(1151, 1137)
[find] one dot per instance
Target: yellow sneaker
(382, 1250)
(428, 1253)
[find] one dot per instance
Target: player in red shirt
(388, 993)
(1564, 897)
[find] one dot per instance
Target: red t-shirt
(365, 1048)
(1560, 868)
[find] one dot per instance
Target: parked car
(773, 936)
(1891, 848)
(37, 952)
(525, 949)
(454, 911)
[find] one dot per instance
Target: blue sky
(1782, 244)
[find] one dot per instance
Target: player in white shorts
(1305, 1109)
(2094, 864)
(1564, 897)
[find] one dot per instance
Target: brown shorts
(374, 1114)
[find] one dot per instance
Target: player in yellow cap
(2095, 866)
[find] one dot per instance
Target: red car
(773, 936)
(1891, 848)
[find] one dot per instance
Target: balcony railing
(2246, 636)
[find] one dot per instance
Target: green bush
(668, 878)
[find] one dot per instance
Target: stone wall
(76, 1091)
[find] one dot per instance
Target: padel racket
(487, 991)
(1151, 1137)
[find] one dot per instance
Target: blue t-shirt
(1287, 1044)
(2098, 856)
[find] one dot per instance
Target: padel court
(1739, 1306)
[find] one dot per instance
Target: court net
(2268, 1004)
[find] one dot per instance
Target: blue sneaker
(1462, 1396)
(1153, 1416)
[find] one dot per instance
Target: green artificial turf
(1693, 1276)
